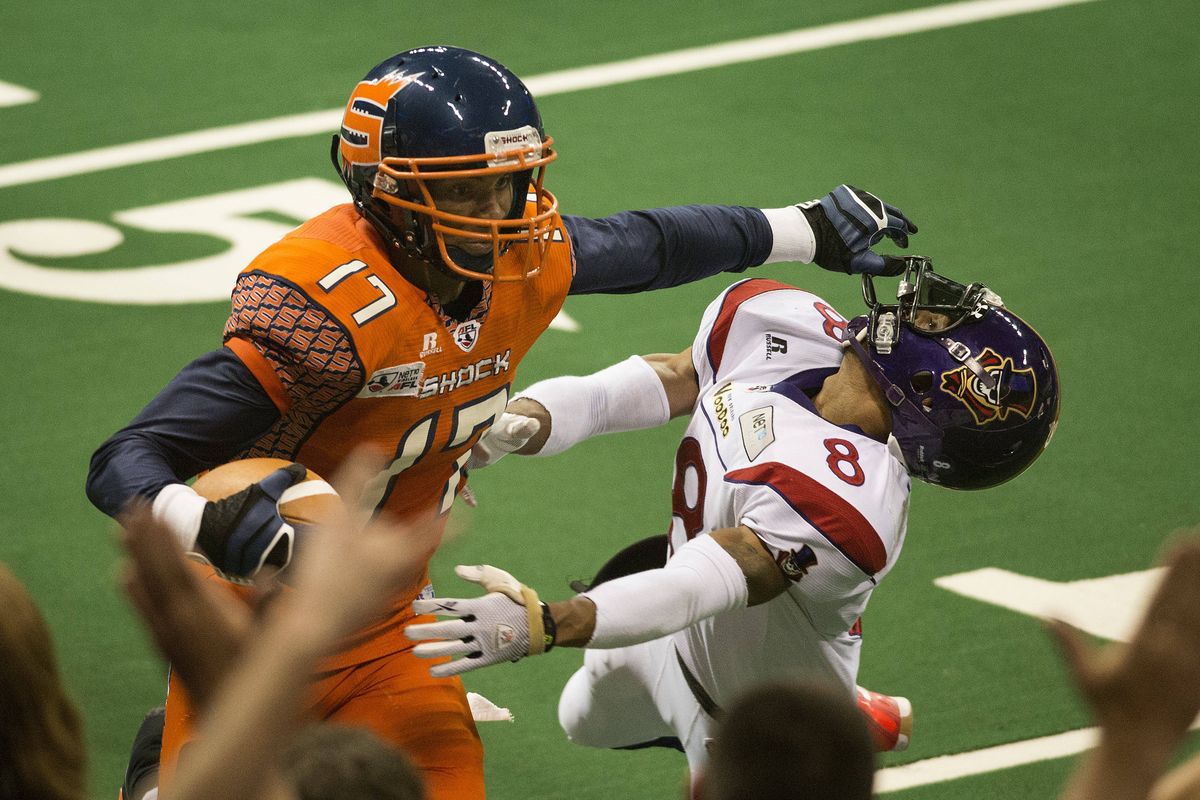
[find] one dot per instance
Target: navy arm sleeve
(212, 410)
(635, 251)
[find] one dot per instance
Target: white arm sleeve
(794, 238)
(627, 396)
(700, 581)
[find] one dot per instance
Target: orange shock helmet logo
(1015, 392)
(362, 124)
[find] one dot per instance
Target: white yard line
(571, 80)
(13, 95)
(989, 759)
(884, 26)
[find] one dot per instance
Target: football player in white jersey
(790, 494)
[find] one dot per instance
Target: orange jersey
(353, 354)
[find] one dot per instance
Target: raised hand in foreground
(1144, 694)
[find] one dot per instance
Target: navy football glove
(243, 532)
(847, 222)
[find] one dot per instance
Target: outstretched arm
(637, 251)
(1181, 783)
(731, 568)
(658, 602)
(555, 414)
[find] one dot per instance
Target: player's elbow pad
(627, 396)
(700, 581)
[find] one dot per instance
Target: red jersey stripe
(833, 517)
(729, 306)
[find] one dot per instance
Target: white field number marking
(227, 216)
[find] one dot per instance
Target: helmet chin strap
(476, 263)
(894, 395)
(957, 350)
(911, 429)
(962, 354)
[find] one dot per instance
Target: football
(309, 502)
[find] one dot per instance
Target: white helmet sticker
(500, 142)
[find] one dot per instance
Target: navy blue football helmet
(436, 113)
(973, 389)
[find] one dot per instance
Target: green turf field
(1051, 154)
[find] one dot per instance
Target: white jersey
(829, 502)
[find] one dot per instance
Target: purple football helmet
(973, 389)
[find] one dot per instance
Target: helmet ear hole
(922, 381)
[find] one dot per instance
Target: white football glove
(509, 434)
(506, 624)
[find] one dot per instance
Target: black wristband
(548, 626)
(211, 538)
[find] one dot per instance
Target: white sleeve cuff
(627, 396)
(794, 238)
(700, 581)
(178, 507)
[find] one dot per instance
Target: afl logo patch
(505, 635)
(466, 335)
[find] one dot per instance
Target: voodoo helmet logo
(362, 124)
(1015, 392)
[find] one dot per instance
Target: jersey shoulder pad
(336, 264)
(341, 226)
(288, 340)
(762, 330)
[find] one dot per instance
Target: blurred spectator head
(330, 762)
(785, 740)
(41, 736)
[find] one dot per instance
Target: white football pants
(631, 695)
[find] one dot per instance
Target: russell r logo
(776, 344)
(429, 345)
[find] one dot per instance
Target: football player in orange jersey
(399, 320)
